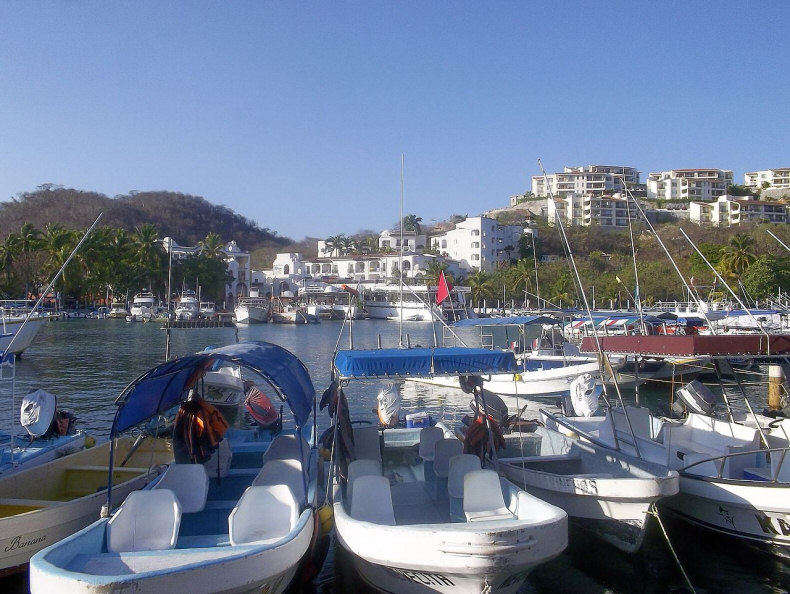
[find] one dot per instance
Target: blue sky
(296, 114)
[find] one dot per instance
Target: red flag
(444, 289)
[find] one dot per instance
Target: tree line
(112, 263)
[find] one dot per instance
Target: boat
(244, 520)
(207, 309)
(285, 310)
(545, 369)
(414, 303)
(18, 329)
(48, 502)
(328, 302)
(118, 310)
(603, 492)
(143, 308)
(50, 433)
(253, 309)
(393, 514)
(188, 307)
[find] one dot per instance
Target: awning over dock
(732, 345)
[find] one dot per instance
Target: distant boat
(118, 310)
(285, 310)
(253, 309)
(414, 303)
(144, 307)
(188, 307)
(207, 309)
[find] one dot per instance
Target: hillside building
(775, 178)
(689, 184)
(729, 211)
(478, 243)
(593, 180)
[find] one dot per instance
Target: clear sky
(296, 114)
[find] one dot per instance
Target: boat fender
(326, 517)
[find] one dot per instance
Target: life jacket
(200, 427)
(476, 437)
(261, 408)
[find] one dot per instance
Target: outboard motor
(582, 400)
(697, 398)
(38, 412)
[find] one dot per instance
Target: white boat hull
(18, 336)
(251, 314)
(544, 383)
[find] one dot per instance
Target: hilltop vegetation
(39, 229)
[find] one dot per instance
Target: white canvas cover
(389, 404)
(38, 411)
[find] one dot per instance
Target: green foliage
(766, 275)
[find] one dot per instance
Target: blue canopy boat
(394, 512)
(243, 520)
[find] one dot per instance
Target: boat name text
(418, 577)
(18, 543)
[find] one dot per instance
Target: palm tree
(8, 252)
(147, 251)
(346, 244)
(58, 243)
(522, 276)
(333, 243)
(212, 246)
(433, 270)
(480, 286)
(411, 222)
(738, 255)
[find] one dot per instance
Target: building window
(475, 245)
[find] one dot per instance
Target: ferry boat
(415, 303)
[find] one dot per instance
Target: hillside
(188, 219)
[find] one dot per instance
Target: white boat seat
(445, 449)
(146, 521)
(358, 468)
(283, 472)
(284, 446)
(373, 500)
(218, 465)
(190, 484)
(483, 498)
(367, 443)
(428, 438)
(460, 464)
(264, 514)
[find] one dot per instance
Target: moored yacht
(188, 307)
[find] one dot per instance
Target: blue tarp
(163, 387)
(506, 321)
(422, 362)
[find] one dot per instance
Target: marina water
(86, 363)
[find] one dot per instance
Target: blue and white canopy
(422, 362)
(505, 321)
(163, 387)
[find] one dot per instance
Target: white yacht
(188, 307)
(414, 303)
(144, 306)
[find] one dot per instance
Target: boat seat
(264, 514)
(444, 449)
(146, 521)
(190, 484)
(218, 465)
(483, 498)
(286, 445)
(460, 464)
(373, 500)
(358, 468)
(367, 443)
(283, 472)
(428, 438)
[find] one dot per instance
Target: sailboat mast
(400, 261)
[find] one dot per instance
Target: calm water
(87, 363)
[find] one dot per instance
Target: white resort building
(730, 211)
(594, 180)
(479, 243)
(775, 178)
(689, 184)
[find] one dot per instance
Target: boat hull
(17, 336)
(45, 504)
(759, 513)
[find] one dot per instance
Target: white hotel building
(689, 184)
(729, 211)
(593, 180)
(776, 178)
(479, 243)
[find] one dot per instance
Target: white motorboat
(252, 310)
(414, 303)
(393, 510)
(208, 309)
(188, 307)
(603, 491)
(545, 369)
(286, 311)
(144, 307)
(118, 310)
(733, 480)
(244, 520)
(18, 330)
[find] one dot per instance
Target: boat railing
(763, 474)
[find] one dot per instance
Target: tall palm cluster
(111, 263)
